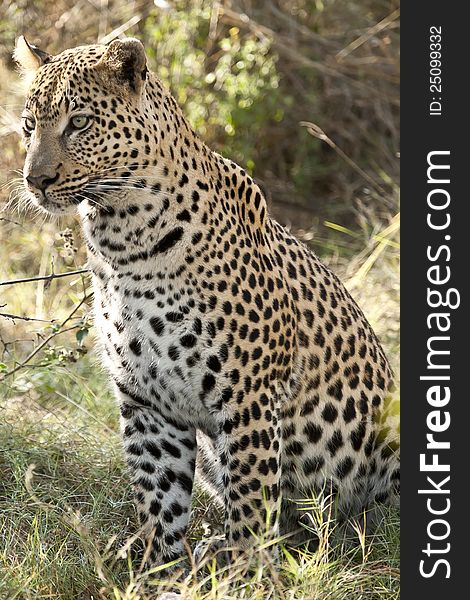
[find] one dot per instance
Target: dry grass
(66, 510)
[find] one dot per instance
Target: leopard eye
(29, 124)
(79, 121)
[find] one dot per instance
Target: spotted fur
(229, 344)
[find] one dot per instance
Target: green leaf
(81, 335)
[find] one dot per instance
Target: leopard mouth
(93, 189)
(49, 202)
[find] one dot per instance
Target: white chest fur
(154, 344)
(155, 339)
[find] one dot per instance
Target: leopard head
(87, 118)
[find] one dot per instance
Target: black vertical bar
(435, 568)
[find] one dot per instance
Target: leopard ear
(125, 60)
(29, 57)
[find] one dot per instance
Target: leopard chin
(51, 207)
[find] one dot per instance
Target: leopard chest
(153, 343)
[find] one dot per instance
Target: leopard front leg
(250, 453)
(161, 456)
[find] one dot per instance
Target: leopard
(236, 356)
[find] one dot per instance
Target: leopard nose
(41, 182)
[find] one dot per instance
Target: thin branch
(49, 277)
(48, 339)
(82, 301)
(121, 29)
(36, 350)
(13, 317)
(316, 131)
(5, 220)
(362, 39)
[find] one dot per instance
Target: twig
(4, 219)
(49, 277)
(36, 350)
(317, 132)
(120, 30)
(214, 20)
(362, 39)
(82, 301)
(13, 317)
(48, 339)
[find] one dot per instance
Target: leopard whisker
(11, 183)
(91, 200)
